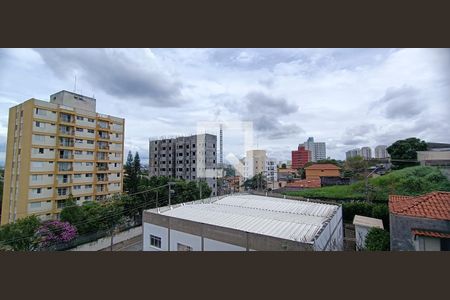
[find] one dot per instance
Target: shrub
(350, 209)
(377, 240)
(55, 232)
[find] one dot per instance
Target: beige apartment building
(59, 148)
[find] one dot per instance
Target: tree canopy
(406, 150)
(377, 239)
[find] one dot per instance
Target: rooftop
(435, 234)
(323, 167)
(305, 183)
(367, 222)
(282, 218)
(435, 205)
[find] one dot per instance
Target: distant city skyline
(347, 98)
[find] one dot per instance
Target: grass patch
(409, 181)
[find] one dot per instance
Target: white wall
(187, 239)
(43, 140)
(41, 166)
(159, 231)
(360, 235)
(47, 153)
(43, 179)
(106, 241)
(333, 232)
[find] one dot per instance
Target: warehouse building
(244, 222)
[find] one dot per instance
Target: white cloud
(325, 93)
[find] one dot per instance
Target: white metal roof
(282, 218)
(367, 221)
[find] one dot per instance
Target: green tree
(257, 182)
(355, 167)
(283, 166)
(129, 173)
(377, 239)
(406, 150)
(21, 235)
(137, 164)
(71, 212)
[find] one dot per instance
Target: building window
(79, 129)
(41, 150)
(90, 130)
(182, 247)
(91, 120)
(155, 241)
(80, 118)
(90, 142)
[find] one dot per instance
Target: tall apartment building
(366, 153)
(318, 149)
(190, 158)
(300, 157)
(353, 153)
(59, 148)
(381, 152)
(257, 162)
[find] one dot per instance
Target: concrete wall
(331, 238)
(217, 238)
(106, 241)
(401, 230)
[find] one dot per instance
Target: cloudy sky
(345, 97)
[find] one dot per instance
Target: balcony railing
(65, 168)
(66, 156)
(102, 168)
(67, 132)
(66, 143)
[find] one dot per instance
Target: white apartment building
(318, 149)
(381, 152)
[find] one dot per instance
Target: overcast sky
(345, 97)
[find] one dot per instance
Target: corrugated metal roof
(282, 218)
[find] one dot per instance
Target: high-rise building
(381, 152)
(318, 149)
(366, 153)
(59, 148)
(189, 157)
(353, 153)
(257, 162)
(300, 157)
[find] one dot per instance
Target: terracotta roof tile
(435, 205)
(436, 234)
(323, 166)
(305, 183)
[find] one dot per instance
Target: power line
(96, 219)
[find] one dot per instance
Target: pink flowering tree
(56, 232)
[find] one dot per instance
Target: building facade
(59, 148)
(353, 153)
(366, 153)
(244, 223)
(188, 157)
(318, 149)
(300, 157)
(255, 163)
(317, 171)
(420, 223)
(381, 152)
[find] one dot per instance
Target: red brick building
(300, 157)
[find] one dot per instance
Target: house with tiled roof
(420, 223)
(317, 171)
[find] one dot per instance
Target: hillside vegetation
(408, 181)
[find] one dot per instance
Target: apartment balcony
(102, 178)
(66, 155)
(66, 143)
(104, 136)
(102, 167)
(103, 125)
(101, 189)
(66, 118)
(66, 132)
(103, 146)
(65, 167)
(102, 156)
